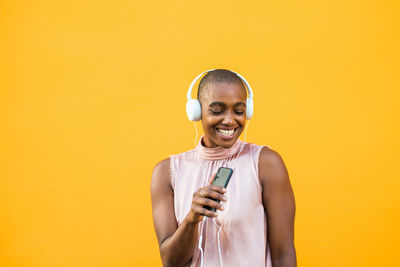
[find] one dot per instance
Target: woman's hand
(206, 196)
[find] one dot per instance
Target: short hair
(215, 76)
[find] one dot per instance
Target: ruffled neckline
(217, 153)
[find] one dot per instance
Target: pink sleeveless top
(243, 235)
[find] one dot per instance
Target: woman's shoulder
(271, 165)
(162, 165)
(161, 169)
(267, 154)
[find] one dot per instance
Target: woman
(253, 224)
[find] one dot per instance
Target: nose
(228, 119)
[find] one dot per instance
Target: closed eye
(215, 112)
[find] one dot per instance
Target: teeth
(226, 132)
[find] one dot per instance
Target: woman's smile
(225, 133)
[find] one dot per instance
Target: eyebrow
(224, 105)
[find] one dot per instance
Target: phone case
(221, 179)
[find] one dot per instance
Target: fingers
(213, 191)
(200, 210)
(203, 203)
(202, 206)
(206, 201)
(210, 196)
(209, 203)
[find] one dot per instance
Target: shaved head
(217, 76)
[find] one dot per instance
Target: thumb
(212, 178)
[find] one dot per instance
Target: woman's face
(223, 114)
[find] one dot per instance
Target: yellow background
(93, 95)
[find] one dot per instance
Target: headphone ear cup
(249, 108)
(193, 109)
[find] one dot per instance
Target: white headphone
(193, 107)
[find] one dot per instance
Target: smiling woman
(253, 220)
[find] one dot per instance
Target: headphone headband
(189, 93)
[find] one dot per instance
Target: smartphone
(221, 179)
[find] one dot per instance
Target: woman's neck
(206, 143)
(216, 152)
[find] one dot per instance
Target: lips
(225, 133)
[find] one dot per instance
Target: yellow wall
(92, 95)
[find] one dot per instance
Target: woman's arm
(279, 204)
(177, 244)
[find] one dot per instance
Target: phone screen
(222, 177)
